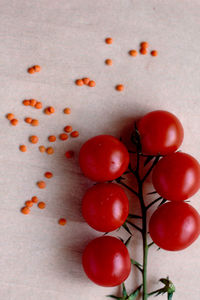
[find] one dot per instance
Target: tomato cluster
(105, 207)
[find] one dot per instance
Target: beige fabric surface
(38, 258)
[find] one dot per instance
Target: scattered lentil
(25, 210)
(63, 136)
(34, 199)
(28, 120)
(62, 221)
(34, 122)
(26, 102)
(143, 51)
(33, 139)
(79, 82)
(133, 52)
(108, 62)
(10, 116)
(23, 148)
(68, 129)
(41, 184)
(48, 175)
(29, 203)
(42, 149)
(14, 122)
(31, 70)
(74, 134)
(69, 154)
(49, 150)
(52, 138)
(37, 68)
(120, 87)
(38, 105)
(86, 80)
(41, 205)
(67, 111)
(154, 52)
(109, 40)
(144, 45)
(32, 102)
(92, 83)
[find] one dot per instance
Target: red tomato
(103, 158)
(174, 226)
(106, 261)
(161, 133)
(105, 206)
(176, 177)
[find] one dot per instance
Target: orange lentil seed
(133, 52)
(92, 83)
(34, 122)
(49, 150)
(74, 134)
(34, 199)
(22, 148)
(29, 203)
(46, 111)
(120, 87)
(10, 116)
(25, 210)
(67, 111)
(144, 45)
(63, 136)
(41, 184)
(79, 82)
(86, 80)
(51, 109)
(69, 154)
(143, 51)
(14, 122)
(33, 139)
(154, 52)
(37, 68)
(52, 138)
(42, 149)
(109, 40)
(62, 221)
(109, 62)
(28, 120)
(41, 205)
(68, 129)
(48, 175)
(32, 102)
(38, 105)
(31, 70)
(26, 102)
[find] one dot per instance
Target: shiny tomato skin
(174, 226)
(176, 176)
(105, 207)
(161, 133)
(103, 158)
(106, 261)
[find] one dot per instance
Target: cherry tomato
(161, 133)
(174, 226)
(176, 177)
(103, 158)
(106, 261)
(105, 206)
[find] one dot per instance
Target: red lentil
(29, 203)
(26, 102)
(42, 149)
(133, 52)
(33, 139)
(92, 83)
(22, 148)
(34, 122)
(52, 138)
(69, 154)
(143, 51)
(28, 120)
(25, 210)
(48, 175)
(10, 116)
(38, 105)
(154, 52)
(109, 40)
(74, 134)
(32, 102)
(49, 150)
(120, 87)
(68, 129)
(63, 136)
(34, 199)
(86, 80)
(67, 111)
(37, 68)
(62, 221)
(41, 184)
(31, 70)
(14, 122)
(109, 62)
(144, 45)
(79, 82)
(41, 205)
